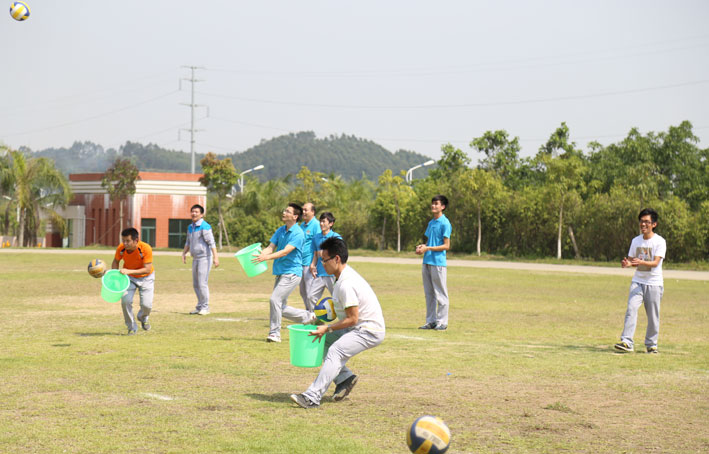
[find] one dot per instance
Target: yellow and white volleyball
(97, 268)
(19, 11)
(325, 310)
(428, 435)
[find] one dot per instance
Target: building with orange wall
(159, 210)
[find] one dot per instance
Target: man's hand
(319, 333)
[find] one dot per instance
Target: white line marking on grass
(158, 396)
(231, 319)
(402, 336)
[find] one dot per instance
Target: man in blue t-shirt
(438, 234)
(310, 227)
(320, 277)
(287, 243)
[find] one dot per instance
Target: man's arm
(422, 248)
(144, 270)
(114, 265)
(634, 261)
(266, 254)
(351, 319)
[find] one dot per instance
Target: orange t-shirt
(137, 259)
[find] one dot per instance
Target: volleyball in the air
(325, 310)
(97, 268)
(19, 11)
(428, 435)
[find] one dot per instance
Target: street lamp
(241, 177)
(410, 172)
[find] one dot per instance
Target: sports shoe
(132, 331)
(441, 327)
(303, 401)
(428, 326)
(272, 338)
(194, 312)
(652, 350)
(623, 347)
(144, 323)
(203, 312)
(344, 388)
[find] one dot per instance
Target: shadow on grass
(588, 348)
(277, 397)
(98, 334)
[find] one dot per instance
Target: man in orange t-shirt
(137, 259)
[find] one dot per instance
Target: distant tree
(219, 177)
(482, 189)
(38, 188)
(119, 180)
(393, 195)
(501, 153)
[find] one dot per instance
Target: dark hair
(327, 215)
(131, 232)
(297, 209)
(441, 198)
(197, 205)
(651, 212)
(335, 246)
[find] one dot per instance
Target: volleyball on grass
(19, 11)
(428, 435)
(325, 310)
(97, 268)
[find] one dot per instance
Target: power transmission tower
(192, 106)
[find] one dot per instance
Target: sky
(410, 75)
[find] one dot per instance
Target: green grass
(526, 366)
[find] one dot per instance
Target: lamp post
(410, 172)
(241, 177)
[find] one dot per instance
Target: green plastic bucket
(245, 255)
(113, 286)
(303, 351)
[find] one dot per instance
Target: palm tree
(39, 188)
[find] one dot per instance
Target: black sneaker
(441, 327)
(428, 326)
(344, 388)
(623, 347)
(144, 323)
(303, 401)
(652, 350)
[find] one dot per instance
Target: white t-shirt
(352, 290)
(647, 250)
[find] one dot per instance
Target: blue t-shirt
(309, 230)
(317, 241)
(437, 230)
(291, 263)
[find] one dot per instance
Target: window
(177, 233)
(147, 231)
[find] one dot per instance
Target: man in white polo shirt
(360, 326)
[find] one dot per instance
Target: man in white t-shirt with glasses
(646, 254)
(360, 326)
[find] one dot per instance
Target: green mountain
(348, 156)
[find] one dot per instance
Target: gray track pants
(340, 346)
(145, 286)
(284, 285)
(317, 288)
(650, 295)
(200, 280)
(305, 284)
(436, 290)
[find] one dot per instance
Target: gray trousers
(340, 346)
(200, 280)
(305, 284)
(284, 285)
(436, 290)
(317, 288)
(650, 295)
(145, 286)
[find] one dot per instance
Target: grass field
(526, 366)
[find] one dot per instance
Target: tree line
(562, 202)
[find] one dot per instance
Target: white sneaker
(203, 312)
(273, 338)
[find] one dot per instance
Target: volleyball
(97, 268)
(428, 435)
(19, 11)
(325, 310)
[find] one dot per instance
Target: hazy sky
(407, 74)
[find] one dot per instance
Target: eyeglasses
(286, 211)
(327, 260)
(646, 222)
